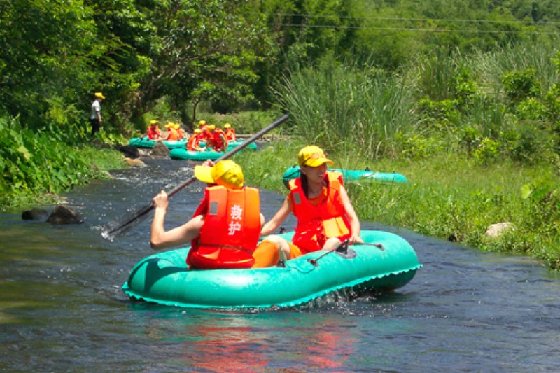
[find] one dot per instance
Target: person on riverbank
(225, 228)
(325, 216)
(153, 130)
(95, 117)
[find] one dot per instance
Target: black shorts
(94, 126)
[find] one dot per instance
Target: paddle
(111, 232)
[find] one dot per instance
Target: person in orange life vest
(173, 133)
(219, 139)
(225, 228)
(202, 125)
(194, 140)
(325, 216)
(180, 131)
(153, 130)
(229, 132)
(209, 136)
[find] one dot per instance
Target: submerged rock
(134, 162)
(496, 230)
(64, 215)
(35, 214)
(129, 151)
(160, 150)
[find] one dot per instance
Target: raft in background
(207, 154)
(145, 142)
(386, 262)
(352, 175)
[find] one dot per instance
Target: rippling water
(61, 307)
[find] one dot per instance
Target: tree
(44, 61)
(206, 47)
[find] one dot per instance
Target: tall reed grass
(346, 107)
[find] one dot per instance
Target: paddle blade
(127, 222)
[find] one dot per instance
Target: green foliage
(531, 109)
(244, 122)
(44, 46)
(417, 146)
(207, 50)
(438, 115)
(331, 103)
(487, 151)
(31, 164)
(520, 85)
(552, 102)
(469, 138)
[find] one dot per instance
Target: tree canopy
(55, 54)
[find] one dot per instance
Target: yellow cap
(312, 156)
(99, 95)
(176, 126)
(227, 125)
(226, 173)
(211, 127)
(169, 125)
(197, 130)
(154, 121)
(201, 122)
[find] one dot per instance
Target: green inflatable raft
(385, 262)
(207, 154)
(144, 142)
(352, 175)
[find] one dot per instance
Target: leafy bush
(519, 85)
(531, 109)
(33, 163)
(487, 151)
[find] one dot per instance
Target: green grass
(99, 161)
(447, 197)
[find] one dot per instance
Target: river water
(62, 310)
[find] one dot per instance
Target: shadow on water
(61, 307)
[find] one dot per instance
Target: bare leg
(332, 244)
(282, 244)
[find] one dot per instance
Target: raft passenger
(225, 228)
(325, 216)
(219, 139)
(229, 132)
(195, 139)
(173, 133)
(153, 130)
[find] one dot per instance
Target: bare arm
(277, 219)
(351, 214)
(159, 238)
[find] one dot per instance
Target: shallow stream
(61, 307)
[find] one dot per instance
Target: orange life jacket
(194, 141)
(317, 223)
(173, 135)
(230, 232)
(229, 134)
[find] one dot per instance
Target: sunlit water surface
(61, 307)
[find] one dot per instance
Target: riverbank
(69, 167)
(446, 197)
